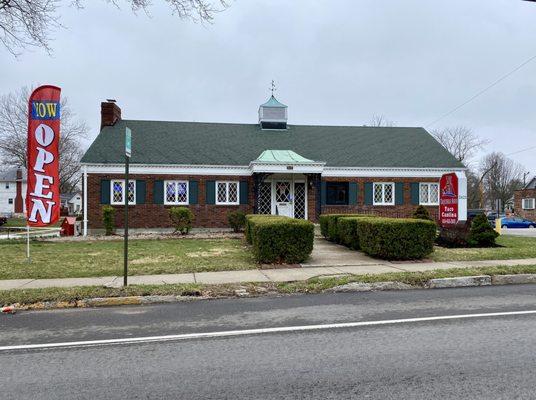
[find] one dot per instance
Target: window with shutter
(383, 193)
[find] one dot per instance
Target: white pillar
(85, 200)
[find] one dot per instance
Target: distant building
(525, 201)
(71, 202)
(268, 167)
(13, 191)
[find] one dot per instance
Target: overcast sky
(334, 62)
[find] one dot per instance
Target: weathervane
(273, 88)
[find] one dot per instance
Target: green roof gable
(282, 156)
(199, 143)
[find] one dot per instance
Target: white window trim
(523, 203)
(122, 202)
(383, 203)
(184, 203)
(227, 202)
(429, 203)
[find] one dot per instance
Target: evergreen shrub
(182, 219)
(396, 238)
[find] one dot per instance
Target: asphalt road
(477, 358)
(519, 232)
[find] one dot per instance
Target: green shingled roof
(199, 143)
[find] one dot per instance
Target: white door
(283, 198)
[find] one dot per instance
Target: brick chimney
(110, 113)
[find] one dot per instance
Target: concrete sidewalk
(267, 275)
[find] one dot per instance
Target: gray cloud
(335, 62)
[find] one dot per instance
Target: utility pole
(525, 174)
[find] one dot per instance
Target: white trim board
(245, 170)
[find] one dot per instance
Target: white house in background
(13, 191)
(72, 201)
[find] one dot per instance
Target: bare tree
(14, 130)
(503, 177)
(27, 23)
(380, 120)
(460, 141)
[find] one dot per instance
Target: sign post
(452, 199)
(128, 146)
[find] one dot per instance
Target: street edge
(437, 283)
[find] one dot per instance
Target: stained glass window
(176, 192)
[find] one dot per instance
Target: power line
(502, 78)
(522, 150)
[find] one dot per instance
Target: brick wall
(519, 195)
(151, 215)
(397, 211)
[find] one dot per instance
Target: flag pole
(28, 243)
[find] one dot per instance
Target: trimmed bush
(481, 233)
(108, 220)
(422, 213)
(454, 235)
(182, 219)
(323, 220)
(396, 238)
(347, 231)
(237, 220)
(278, 239)
(328, 225)
(250, 222)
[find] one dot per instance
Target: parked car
(517, 222)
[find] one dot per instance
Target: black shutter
(368, 193)
(243, 192)
(158, 192)
(140, 192)
(399, 193)
(352, 193)
(193, 190)
(323, 193)
(415, 193)
(105, 191)
(210, 192)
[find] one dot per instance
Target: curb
(107, 302)
(463, 281)
(438, 283)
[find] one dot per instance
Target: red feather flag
(43, 192)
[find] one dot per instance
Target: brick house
(525, 201)
(267, 168)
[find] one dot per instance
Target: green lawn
(512, 247)
(314, 285)
(21, 222)
(104, 258)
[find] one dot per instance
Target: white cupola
(273, 114)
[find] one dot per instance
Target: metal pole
(85, 200)
(125, 270)
(28, 243)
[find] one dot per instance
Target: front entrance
(283, 196)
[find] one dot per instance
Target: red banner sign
(43, 192)
(448, 199)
